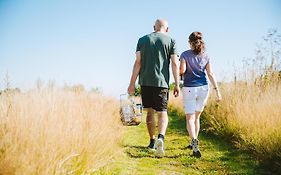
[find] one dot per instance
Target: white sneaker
(159, 146)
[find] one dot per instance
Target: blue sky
(93, 42)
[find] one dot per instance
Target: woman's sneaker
(159, 146)
(196, 154)
(190, 145)
(195, 148)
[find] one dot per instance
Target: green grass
(218, 157)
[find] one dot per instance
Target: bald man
(154, 53)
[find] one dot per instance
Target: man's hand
(135, 73)
(175, 69)
(131, 89)
(176, 91)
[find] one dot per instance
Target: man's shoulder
(146, 36)
(143, 38)
(156, 34)
(164, 35)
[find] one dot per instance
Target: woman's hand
(219, 97)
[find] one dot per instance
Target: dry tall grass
(249, 116)
(57, 132)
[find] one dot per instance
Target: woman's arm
(213, 80)
(182, 66)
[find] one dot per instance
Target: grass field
(54, 131)
(248, 117)
(218, 156)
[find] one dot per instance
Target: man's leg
(162, 122)
(162, 126)
(150, 123)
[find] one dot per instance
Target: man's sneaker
(159, 146)
(151, 146)
(195, 148)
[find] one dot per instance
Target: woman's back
(195, 69)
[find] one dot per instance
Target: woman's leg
(189, 98)
(190, 125)
(197, 123)
(202, 97)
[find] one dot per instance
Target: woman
(194, 64)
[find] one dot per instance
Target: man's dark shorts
(155, 97)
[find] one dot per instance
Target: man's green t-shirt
(156, 50)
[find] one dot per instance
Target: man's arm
(175, 69)
(135, 73)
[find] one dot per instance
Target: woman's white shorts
(195, 98)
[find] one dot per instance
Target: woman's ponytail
(197, 43)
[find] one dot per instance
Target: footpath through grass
(218, 157)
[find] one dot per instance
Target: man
(154, 53)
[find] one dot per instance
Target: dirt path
(217, 157)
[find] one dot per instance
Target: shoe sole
(196, 154)
(189, 147)
(151, 149)
(159, 149)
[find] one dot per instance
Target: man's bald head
(161, 25)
